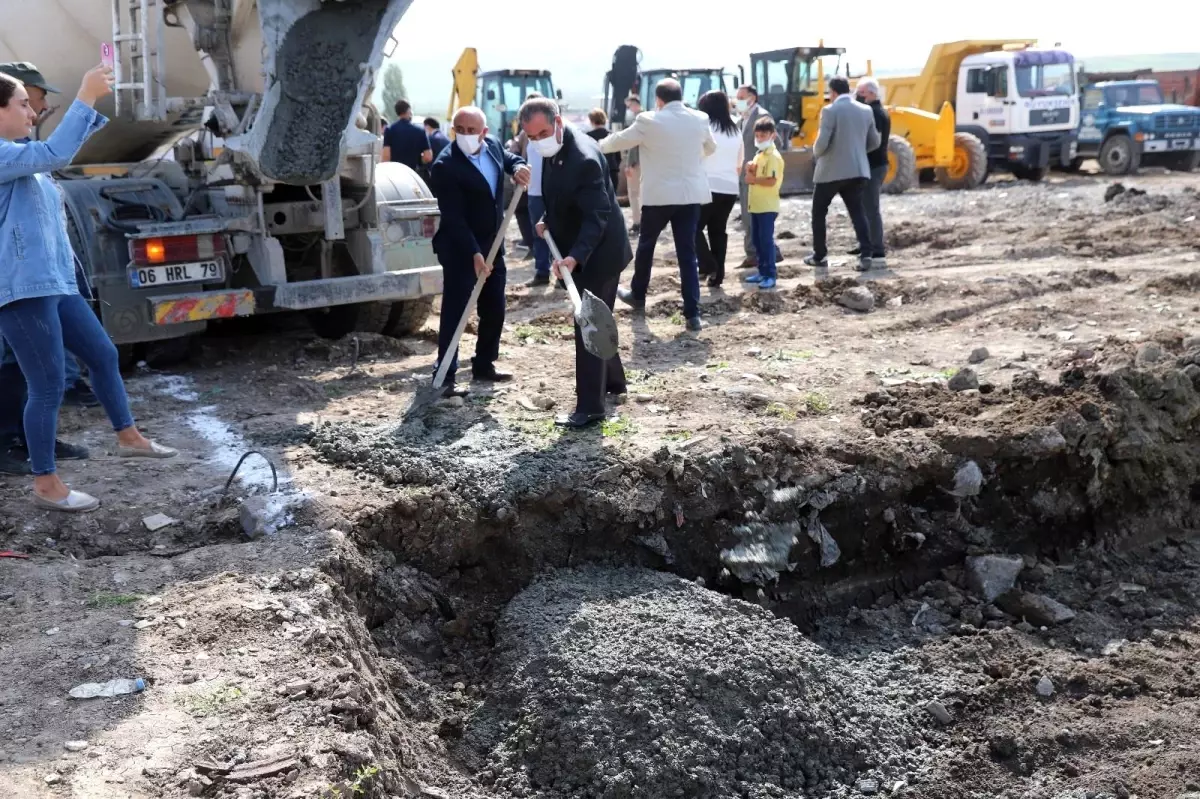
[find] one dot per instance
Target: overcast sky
(577, 44)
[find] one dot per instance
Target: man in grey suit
(847, 132)
(751, 112)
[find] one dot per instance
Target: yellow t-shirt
(765, 199)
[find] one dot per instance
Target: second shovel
(595, 319)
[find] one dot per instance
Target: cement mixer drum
(285, 79)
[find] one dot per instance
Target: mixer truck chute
(233, 178)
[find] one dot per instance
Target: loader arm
(462, 91)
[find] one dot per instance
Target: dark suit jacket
(438, 142)
(581, 209)
(614, 159)
(471, 216)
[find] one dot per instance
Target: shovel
(595, 319)
(424, 397)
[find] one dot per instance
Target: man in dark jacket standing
(583, 217)
(468, 181)
(868, 93)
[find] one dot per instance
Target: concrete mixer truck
(291, 211)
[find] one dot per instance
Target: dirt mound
(1176, 284)
(631, 683)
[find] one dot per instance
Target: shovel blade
(597, 326)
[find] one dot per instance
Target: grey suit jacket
(748, 121)
(847, 133)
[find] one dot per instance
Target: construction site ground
(752, 581)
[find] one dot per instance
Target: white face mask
(742, 105)
(469, 144)
(549, 146)
(762, 145)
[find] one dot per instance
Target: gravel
(632, 683)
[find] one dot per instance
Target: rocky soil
(931, 535)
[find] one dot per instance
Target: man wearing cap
(14, 458)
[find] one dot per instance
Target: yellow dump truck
(1003, 104)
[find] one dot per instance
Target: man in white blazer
(673, 142)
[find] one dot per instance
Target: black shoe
(632, 300)
(750, 263)
(65, 451)
(452, 390)
(714, 282)
(15, 461)
(579, 419)
(80, 395)
(635, 230)
(813, 260)
(537, 280)
(694, 324)
(492, 375)
(855, 251)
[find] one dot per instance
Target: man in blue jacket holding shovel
(467, 181)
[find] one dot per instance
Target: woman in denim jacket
(40, 306)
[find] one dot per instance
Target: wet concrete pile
(632, 683)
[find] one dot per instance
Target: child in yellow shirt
(764, 175)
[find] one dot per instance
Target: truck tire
(902, 166)
(970, 166)
(1118, 156)
(1183, 162)
(340, 321)
(408, 316)
(1031, 173)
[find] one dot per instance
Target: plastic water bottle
(91, 690)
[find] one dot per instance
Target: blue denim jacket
(36, 259)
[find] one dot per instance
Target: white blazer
(673, 143)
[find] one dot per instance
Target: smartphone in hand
(107, 56)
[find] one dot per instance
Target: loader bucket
(319, 62)
(798, 168)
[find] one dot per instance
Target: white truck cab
(1023, 105)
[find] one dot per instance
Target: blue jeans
(37, 330)
(541, 250)
(684, 221)
(762, 233)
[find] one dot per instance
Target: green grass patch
(781, 411)
(792, 355)
(716, 366)
(679, 435)
(816, 402)
(620, 426)
(676, 318)
(211, 700)
(104, 599)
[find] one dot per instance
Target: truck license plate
(143, 277)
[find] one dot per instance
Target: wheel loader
(498, 93)
(791, 86)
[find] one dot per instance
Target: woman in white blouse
(723, 168)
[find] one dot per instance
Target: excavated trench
(548, 605)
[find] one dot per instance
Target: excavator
(499, 93)
(293, 212)
(625, 78)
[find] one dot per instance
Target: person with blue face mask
(467, 179)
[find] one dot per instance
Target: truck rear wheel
(1118, 156)
(339, 321)
(1030, 173)
(969, 167)
(902, 166)
(408, 316)
(1183, 162)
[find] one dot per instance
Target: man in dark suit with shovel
(467, 179)
(584, 220)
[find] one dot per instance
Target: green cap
(28, 74)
